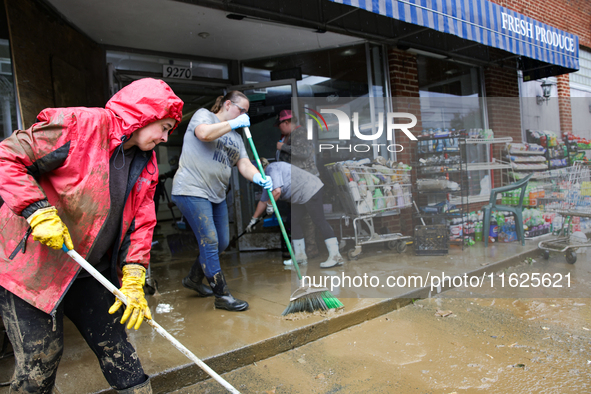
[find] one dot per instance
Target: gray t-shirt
(205, 167)
(297, 186)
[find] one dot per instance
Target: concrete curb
(189, 374)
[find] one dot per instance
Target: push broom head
(310, 299)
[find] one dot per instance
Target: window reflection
(8, 112)
(451, 98)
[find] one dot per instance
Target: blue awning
(484, 22)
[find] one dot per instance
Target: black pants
(315, 209)
(38, 339)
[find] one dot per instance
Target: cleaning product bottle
(354, 190)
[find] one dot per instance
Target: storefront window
(351, 79)
(8, 102)
(348, 72)
(9, 118)
(451, 98)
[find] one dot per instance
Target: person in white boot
(304, 191)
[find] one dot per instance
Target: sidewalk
(228, 340)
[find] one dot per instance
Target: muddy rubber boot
(334, 256)
(284, 250)
(194, 280)
(223, 298)
(299, 250)
(143, 388)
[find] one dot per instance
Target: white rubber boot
(299, 249)
(334, 257)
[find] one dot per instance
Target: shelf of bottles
(440, 175)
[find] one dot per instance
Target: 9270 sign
(171, 71)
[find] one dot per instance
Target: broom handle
(98, 276)
(272, 199)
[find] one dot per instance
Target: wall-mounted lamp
(546, 90)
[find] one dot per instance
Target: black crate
(431, 240)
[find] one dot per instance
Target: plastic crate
(431, 240)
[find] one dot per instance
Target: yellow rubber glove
(49, 229)
(134, 278)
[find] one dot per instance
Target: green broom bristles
(319, 301)
(331, 301)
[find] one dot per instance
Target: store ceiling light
(239, 17)
(426, 53)
(546, 91)
(236, 17)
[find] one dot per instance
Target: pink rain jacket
(64, 159)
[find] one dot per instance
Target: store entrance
(266, 100)
(195, 95)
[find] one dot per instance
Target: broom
(157, 327)
(305, 298)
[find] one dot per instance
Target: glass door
(266, 100)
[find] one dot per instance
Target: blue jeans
(209, 222)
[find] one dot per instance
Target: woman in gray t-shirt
(211, 148)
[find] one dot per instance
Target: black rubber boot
(223, 298)
(284, 251)
(143, 388)
(194, 280)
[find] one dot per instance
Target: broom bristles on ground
(320, 301)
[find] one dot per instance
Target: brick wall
(502, 92)
(564, 103)
(54, 64)
(573, 16)
(404, 85)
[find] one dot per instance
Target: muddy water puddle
(448, 344)
(483, 345)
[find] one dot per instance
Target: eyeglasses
(242, 110)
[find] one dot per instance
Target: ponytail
(217, 106)
(233, 96)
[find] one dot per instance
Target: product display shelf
(441, 176)
(526, 161)
(574, 150)
(494, 163)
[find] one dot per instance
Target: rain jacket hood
(63, 161)
(143, 102)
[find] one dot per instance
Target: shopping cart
(571, 199)
(367, 191)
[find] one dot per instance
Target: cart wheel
(401, 247)
(342, 244)
(392, 245)
(571, 257)
(546, 254)
(354, 253)
(150, 286)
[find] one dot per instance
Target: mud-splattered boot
(223, 298)
(143, 388)
(334, 256)
(194, 280)
(299, 250)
